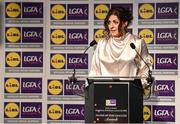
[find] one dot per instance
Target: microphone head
(132, 45)
(93, 43)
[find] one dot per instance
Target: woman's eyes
(115, 22)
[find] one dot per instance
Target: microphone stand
(149, 79)
(73, 79)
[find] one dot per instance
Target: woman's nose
(110, 25)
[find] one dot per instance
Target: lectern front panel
(111, 102)
(114, 101)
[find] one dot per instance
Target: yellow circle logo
(58, 12)
(150, 59)
(55, 87)
(13, 10)
(101, 11)
(13, 59)
(13, 35)
(146, 11)
(58, 61)
(147, 35)
(55, 112)
(12, 85)
(147, 91)
(11, 110)
(99, 34)
(58, 36)
(147, 113)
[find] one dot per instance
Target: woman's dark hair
(123, 15)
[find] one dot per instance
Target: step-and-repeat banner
(43, 41)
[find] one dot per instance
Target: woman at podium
(120, 53)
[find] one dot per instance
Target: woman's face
(113, 25)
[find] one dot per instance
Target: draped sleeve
(95, 69)
(143, 69)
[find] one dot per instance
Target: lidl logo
(58, 36)
(29, 59)
(23, 110)
(13, 59)
(58, 61)
(58, 11)
(146, 11)
(55, 87)
(29, 34)
(12, 85)
(147, 113)
(11, 110)
(99, 34)
(55, 112)
(147, 35)
(100, 11)
(13, 34)
(13, 10)
(150, 59)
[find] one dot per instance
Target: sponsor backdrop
(43, 42)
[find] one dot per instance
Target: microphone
(150, 79)
(73, 78)
(90, 45)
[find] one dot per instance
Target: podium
(112, 100)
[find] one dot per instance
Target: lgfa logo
(13, 10)
(55, 112)
(12, 85)
(55, 87)
(58, 11)
(99, 34)
(57, 61)
(31, 84)
(58, 36)
(101, 11)
(11, 110)
(74, 110)
(146, 11)
(147, 35)
(32, 32)
(77, 10)
(164, 87)
(81, 34)
(147, 113)
(164, 113)
(33, 8)
(13, 59)
(13, 34)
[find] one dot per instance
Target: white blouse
(115, 57)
